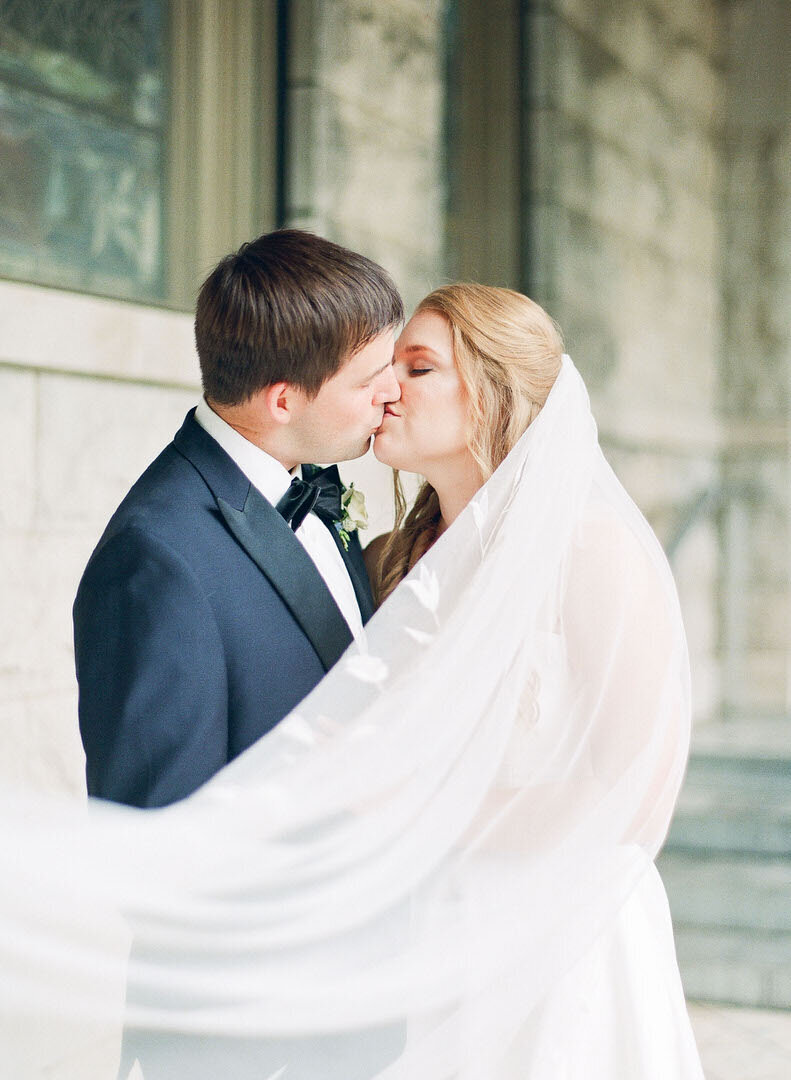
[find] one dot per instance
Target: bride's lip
(390, 412)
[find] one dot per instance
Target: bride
(475, 366)
(441, 864)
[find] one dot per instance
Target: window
(136, 141)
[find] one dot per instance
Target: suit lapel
(269, 542)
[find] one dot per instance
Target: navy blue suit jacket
(199, 623)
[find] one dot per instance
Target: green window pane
(82, 145)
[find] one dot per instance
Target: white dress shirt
(273, 480)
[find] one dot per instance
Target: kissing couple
(409, 797)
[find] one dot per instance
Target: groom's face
(337, 424)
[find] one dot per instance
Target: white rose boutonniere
(355, 516)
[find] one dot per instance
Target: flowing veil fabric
(442, 859)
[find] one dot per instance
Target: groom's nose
(388, 389)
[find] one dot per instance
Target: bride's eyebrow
(421, 349)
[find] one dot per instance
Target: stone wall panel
(19, 423)
(80, 442)
(756, 350)
(366, 93)
(35, 626)
(97, 437)
(92, 335)
(628, 170)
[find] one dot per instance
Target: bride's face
(429, 425)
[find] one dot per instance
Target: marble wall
(622, 231)
(755, 393)
(365, 157)
(657, 232)
(90, 391)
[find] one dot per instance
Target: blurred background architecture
(627, 164)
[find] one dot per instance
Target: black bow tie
(321, 494)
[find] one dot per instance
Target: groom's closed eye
(378, 371)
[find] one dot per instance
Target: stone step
(748, 738)
(734, 804)
(730, 830)
(745, 969)
(727, 892)
(727, 868)
(742, 775)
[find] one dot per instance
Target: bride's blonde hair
(508, 353)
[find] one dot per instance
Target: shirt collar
(262, 470)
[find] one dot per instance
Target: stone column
(622, 240)
(364, 110)
(756, 361)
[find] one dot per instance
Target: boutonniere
(355, 516)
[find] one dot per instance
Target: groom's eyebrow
(379, 371)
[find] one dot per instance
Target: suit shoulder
(168, 475)
(124, 549)
(166, 496)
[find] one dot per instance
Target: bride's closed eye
(420, 371)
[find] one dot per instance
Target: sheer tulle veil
(428, 845)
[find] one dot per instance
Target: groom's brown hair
(288, 307)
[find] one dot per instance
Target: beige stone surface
(756, 351)
(365, 156)
(35, 618)
(37, 684)
(77, 445)
(41, 743)
(361, 36)
(742, 1044)
(58, 330)
(95, 439)
(627, 246)
(694, 19)
(18, 423)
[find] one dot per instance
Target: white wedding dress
(440, 866)
(619, 1012)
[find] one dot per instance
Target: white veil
(407, 866)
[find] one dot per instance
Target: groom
(225, 586)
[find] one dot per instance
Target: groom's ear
(280, 400)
